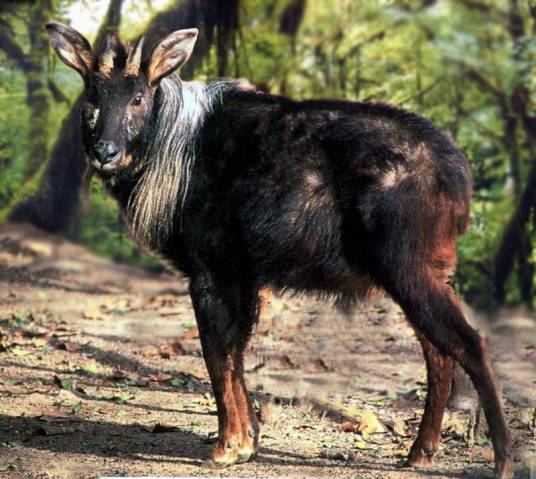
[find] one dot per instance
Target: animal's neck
(155, 205)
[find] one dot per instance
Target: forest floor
(101, 374)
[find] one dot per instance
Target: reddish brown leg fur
(483, 378)
(432, 308)
(225, 316)
(229, 425)
(439, 374)
(248, 418)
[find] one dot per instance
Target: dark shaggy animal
(241, 191)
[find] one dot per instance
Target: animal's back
(320, 187)
(368, 142)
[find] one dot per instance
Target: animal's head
(120, 85)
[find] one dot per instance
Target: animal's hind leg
(434, 312)
(439, 368)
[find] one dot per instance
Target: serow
(242, 190)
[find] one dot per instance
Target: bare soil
(101, 374)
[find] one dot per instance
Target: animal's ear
(72, 48)
(170, 54)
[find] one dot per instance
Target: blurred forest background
(469, 65)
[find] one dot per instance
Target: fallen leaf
(191, 333)
(481, 454)
(94, 314)
(160, 377)
(117, 307)
(456, 422)
(149, 351)
(397, 426)
(172, 349)
(370, 424)
(54, 414)
(69, 346)
(349, 410)
(160, 428)
(348, 426)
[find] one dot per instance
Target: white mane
(169, 158)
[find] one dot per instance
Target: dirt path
(101, 374)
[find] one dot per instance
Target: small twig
(423, 92)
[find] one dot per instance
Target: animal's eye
(137, 100)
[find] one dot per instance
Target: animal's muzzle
(105, 152)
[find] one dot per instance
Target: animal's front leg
(220, 312)
(230, 435)
(249, 312)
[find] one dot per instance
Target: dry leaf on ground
(160, 377)
(94, 314)
(171, 349)
(69, 346)
(191, 333)
(370, 424)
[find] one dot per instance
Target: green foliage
(473, 279)
(103, 231)
(13, 132)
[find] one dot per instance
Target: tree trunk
(37, 95)
(516, 243)
(291, 19)
(513, 240)
(50, 199)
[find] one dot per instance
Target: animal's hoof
(223, 456)
(248, 449)
(212, 464)
(421, 460)
(246, 456)
(421, 455)
(504, 469)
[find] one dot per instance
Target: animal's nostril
(105, 151)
